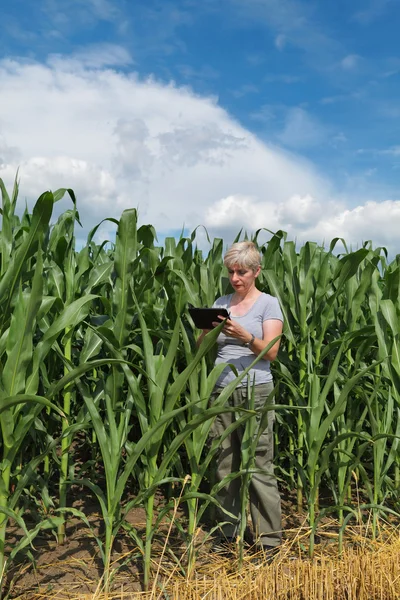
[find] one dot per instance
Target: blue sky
(257, 104)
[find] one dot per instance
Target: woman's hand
(201, 337)
(271, 329)
(233, 329)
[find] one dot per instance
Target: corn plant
(23, 307)
(98, 344)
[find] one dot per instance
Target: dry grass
(366, 571)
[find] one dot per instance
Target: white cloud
(373, 9)
(134, 143)
(98, 56)
(280, 41)
(376, 221)
(308, 218)
(291, 21)
(334, 99)
(350, 62)
(104, 9)
(121, 142)
(339, 138)
(265, 114)
(255, 60)
(393, 151)
(7, 153)
(77, 12)
(301, 130)
(204, 73)
(246, 211)
(245, 90)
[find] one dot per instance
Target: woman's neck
(248, 296)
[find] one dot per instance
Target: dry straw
(361, 574)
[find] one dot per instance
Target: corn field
(102, 387)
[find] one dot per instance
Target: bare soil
(74, 569)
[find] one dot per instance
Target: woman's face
(242, 278)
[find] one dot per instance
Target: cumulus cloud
(134, 142)
(8, 154)
(94, 184)
(296, 214)
(376, 221)
(293, 214)
(307, 218)
(120, 141)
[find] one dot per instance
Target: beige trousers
(265, 502)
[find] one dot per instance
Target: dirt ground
(75, 568)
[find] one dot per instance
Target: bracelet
(248, 344)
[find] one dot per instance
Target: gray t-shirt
(231, 350)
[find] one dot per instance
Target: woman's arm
(271, 329)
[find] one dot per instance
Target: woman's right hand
(201, 336)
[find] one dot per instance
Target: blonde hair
(244, 254)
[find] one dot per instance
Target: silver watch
(248, 344)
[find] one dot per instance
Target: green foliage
(97, 352)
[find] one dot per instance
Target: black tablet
(203, 317)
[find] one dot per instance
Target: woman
(255, 320)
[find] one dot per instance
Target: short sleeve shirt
(231, 350)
